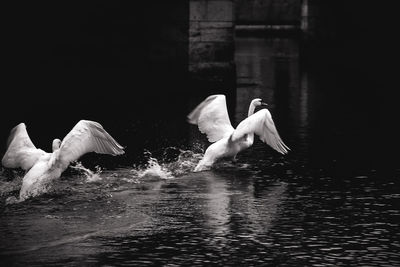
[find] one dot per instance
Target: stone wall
(272, 12)
(211, 43)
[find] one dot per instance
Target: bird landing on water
(211, 117)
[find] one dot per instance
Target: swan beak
(264, 104)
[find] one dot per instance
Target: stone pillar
(304, 15)
(314, 17)
(211, 44)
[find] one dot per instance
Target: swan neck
(56, 145)
(251, 110)
(250, 138)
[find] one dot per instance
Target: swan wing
(21, 152)
(87, 136)
(211, 116)
(261, 123)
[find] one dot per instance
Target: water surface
(317, 206)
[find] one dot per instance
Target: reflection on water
(267, 209)
(224, 217)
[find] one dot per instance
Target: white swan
(211, 116)
(41, 167)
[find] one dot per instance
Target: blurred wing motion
(21, 152)
(87, 136)
(261, 123)
(211, 116)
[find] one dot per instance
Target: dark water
(321, 205)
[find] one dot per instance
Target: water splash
(90, 175)
(11, 185)
(184, 162)
(152, 169)
(174, 162)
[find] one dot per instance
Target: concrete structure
(268, 12)
(278, 16)
(211, 46)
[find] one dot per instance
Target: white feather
(211, 116)
(87, 136)
(21, 152)
(42, 168)
(261, 124)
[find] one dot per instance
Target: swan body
(211, 117)
(224, 148)
(42, 167)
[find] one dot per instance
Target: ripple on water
(225, 216)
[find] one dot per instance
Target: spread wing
(211, 116)
(261, 123)
(21, 152)
(87, 136)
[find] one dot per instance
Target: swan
(211, 117)
(42, 167)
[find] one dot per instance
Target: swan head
(258, 102)
(56, 144)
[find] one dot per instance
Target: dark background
(121, 63)
(355, 51)
(125, 64)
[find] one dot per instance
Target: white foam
(183, 163)
(90, 175)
